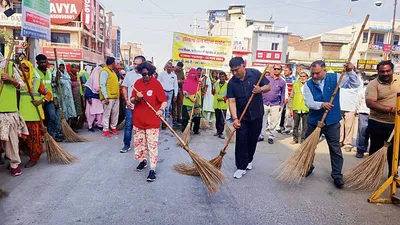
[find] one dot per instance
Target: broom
(6, 66)
(186, 132)
(296, 167)
(189, 169)
(210, 176)
(69, 134)
(204, 125)
(54, 152)
(367, 174)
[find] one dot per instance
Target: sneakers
(141, 166)
(260, 139)
(221, 136)
(106, 133)
(270, 141)
(30, 164)
(125, 149)
(152, 176)
(216, 134)
(338, 182)
(249, 166)
(360, 155)
(16, 172)
(239, 174)
(115, 131)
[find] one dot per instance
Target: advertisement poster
(36, 19)
(367, 64)
(118, 45)
(336, 65)
(202, 51)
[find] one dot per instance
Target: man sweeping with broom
(240, 88)
(317, 93)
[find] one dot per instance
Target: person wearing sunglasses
(146, 124)
(240, 87)
(317, 94)
(273, 103)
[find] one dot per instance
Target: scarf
(29, 75)
(93, 81)
(191, 83)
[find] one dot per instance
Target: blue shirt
(276, 96)
(349, 81)
(241, 91)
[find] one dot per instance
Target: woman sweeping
(192, 95)
(94, 107)
(146, 125)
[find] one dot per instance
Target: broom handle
(33, 98)
(245, 109)
(6, 66)
(185, 146)
(391, 136)
(344, 70)
(59, 85)
(194, 103)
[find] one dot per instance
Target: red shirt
(153, 92)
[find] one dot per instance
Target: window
(274, 46)
(17, 7)
(396, 40)
(378, 38)
(62, 38)
(365, 37)
(17, 34)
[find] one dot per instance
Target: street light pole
(392, 32)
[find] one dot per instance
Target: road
(104, 188)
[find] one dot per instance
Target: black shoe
(270, 141)
(163, 126)
(58, 139)
(310, 170)
(99, 128)
(338, 182)
(221, 136)
(141, 166)
(197, 132)
(260, 139)
(216, 134)
(1, 161)
(152, 176)
(359, 155)
(91, 130)
(75, 130)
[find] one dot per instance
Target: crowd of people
(285, 101)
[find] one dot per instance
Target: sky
(151, 23)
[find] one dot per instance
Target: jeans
(363, 133)
(170, 96)
(128, 127)
(332, 135)
(52, 121)
(297, 116)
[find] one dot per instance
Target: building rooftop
(236, 6)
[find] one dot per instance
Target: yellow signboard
(336, 65)
(367, 64)
(202, 51)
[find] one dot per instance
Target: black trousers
(195, 122)
(332, 135)
(297, 117)
(219, 120)
(379, 133)
(246, 142)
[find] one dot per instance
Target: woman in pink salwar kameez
(94, 107)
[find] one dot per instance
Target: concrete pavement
(104, 188)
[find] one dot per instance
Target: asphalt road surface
(104, 188)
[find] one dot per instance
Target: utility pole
(392, 31)
(195, 26)
(129, 57)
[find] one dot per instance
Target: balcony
(53, 44)
(71, 26)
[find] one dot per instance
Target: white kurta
(208, 104)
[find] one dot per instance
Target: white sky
(152, 22)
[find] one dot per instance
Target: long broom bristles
(3, 193)
(294, 169)
(204, 124)
(121, 126)
(55, 153)
(185, 135)
(228, 132)
(69, 134)
(191, 170)
(367, 175)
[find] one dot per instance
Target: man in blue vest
(317, 94)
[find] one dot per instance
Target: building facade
(129, 51)
(79, 31)
(258, 42)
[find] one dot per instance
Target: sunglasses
(277, 69)
(146, 74)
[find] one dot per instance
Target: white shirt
(130, 78)
(362, 106)
(169, 82)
